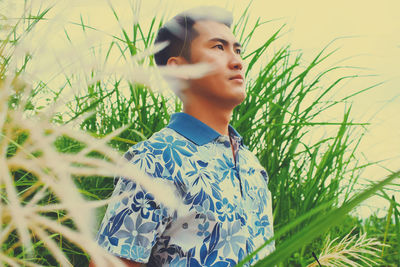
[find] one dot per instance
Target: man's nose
(236, 62)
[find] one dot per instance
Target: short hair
(179, 32)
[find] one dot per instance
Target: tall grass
(312, 182)
(282, 108)
(44, 217)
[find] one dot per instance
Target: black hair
(179, 32)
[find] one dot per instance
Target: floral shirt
(228, 205)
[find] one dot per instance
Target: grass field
(61, 140)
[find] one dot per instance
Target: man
(221, 183)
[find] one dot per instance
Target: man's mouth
(238, 78)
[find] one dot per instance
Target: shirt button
(227, 144)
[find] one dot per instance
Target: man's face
(215, 44)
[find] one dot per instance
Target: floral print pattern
(227, 202)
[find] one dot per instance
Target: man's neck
(215, 116)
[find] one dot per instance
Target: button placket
(226, 141)
(235, 141)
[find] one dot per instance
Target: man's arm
(124, 216)
(127, 263)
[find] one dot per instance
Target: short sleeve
(131, 226)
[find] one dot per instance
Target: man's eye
(219, 47)
(238, 51)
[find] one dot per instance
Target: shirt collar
(195, 130)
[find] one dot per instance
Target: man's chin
(239, 98)
(241, 95)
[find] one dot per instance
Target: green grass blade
(319, 226)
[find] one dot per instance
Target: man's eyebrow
(225, 42)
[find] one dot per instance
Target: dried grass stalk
(350, 251)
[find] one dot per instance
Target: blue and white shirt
(228, 205)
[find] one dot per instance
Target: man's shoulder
(164, 137)
(142, 146)
(163, 146)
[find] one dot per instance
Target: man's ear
(176, 61)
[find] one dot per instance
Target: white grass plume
(54, 171)
(350, 251)
(23, 211)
